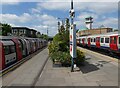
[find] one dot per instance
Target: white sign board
(73, 41)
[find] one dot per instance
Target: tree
(62, 28)
(43, 36)
(6, 28)
(67, 24)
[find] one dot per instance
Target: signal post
(72, 37)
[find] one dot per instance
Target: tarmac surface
(96, 72)
(28, 72)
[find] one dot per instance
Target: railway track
(110, 54)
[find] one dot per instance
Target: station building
(23, 31)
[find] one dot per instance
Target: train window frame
(8, 50)
(102, 40)
(106, 40)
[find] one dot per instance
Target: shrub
(80, 58)
(53, 47)
(58, 37)
(56, 56)
(66, 59)
(59, 50)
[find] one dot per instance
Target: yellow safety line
(8, 70)
(113, 59)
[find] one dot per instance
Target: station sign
(73, 41)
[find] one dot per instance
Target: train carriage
(13, 49)
(23, 46)
(119, 43)
(18, 48)
(9, 55)
(109, 41)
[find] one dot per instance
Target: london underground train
(14, 49)
(109, 41)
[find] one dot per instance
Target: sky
(43, 14)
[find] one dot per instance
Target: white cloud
(37, 21)
(43, 29)
(98, 20)
(9, 2)
(34, 10)
(59, 1)
(83, 15)
(108, 22)
(54, 5)
(94, 7)
(13, 18)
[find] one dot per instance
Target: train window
(12, 49)
(106, 40)
(102, 40)
(94, 39)
(91, 39)
(80, 39)
(115, 40)
(7, 50)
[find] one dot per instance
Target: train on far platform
(108, 42)
(14, 49)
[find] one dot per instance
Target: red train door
(2, 57)
(113, 43)
(89, 42)
(83, 42)
(98, 42)
(18, 48)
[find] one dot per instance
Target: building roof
(20, 28)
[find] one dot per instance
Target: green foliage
(43, 36)
(65, 59)
(57, 37)
(80, 58)
(59, 48)
(6, 28)
(67, 24)
(53, 48)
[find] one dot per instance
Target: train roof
(9, 42)
(107, 34)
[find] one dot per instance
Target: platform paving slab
(91, 74)
(27, 72)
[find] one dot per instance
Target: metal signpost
(72, 37)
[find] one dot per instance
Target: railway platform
(40, 71)
(28, 72)
(96, 72)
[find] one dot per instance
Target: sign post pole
(72, 37)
